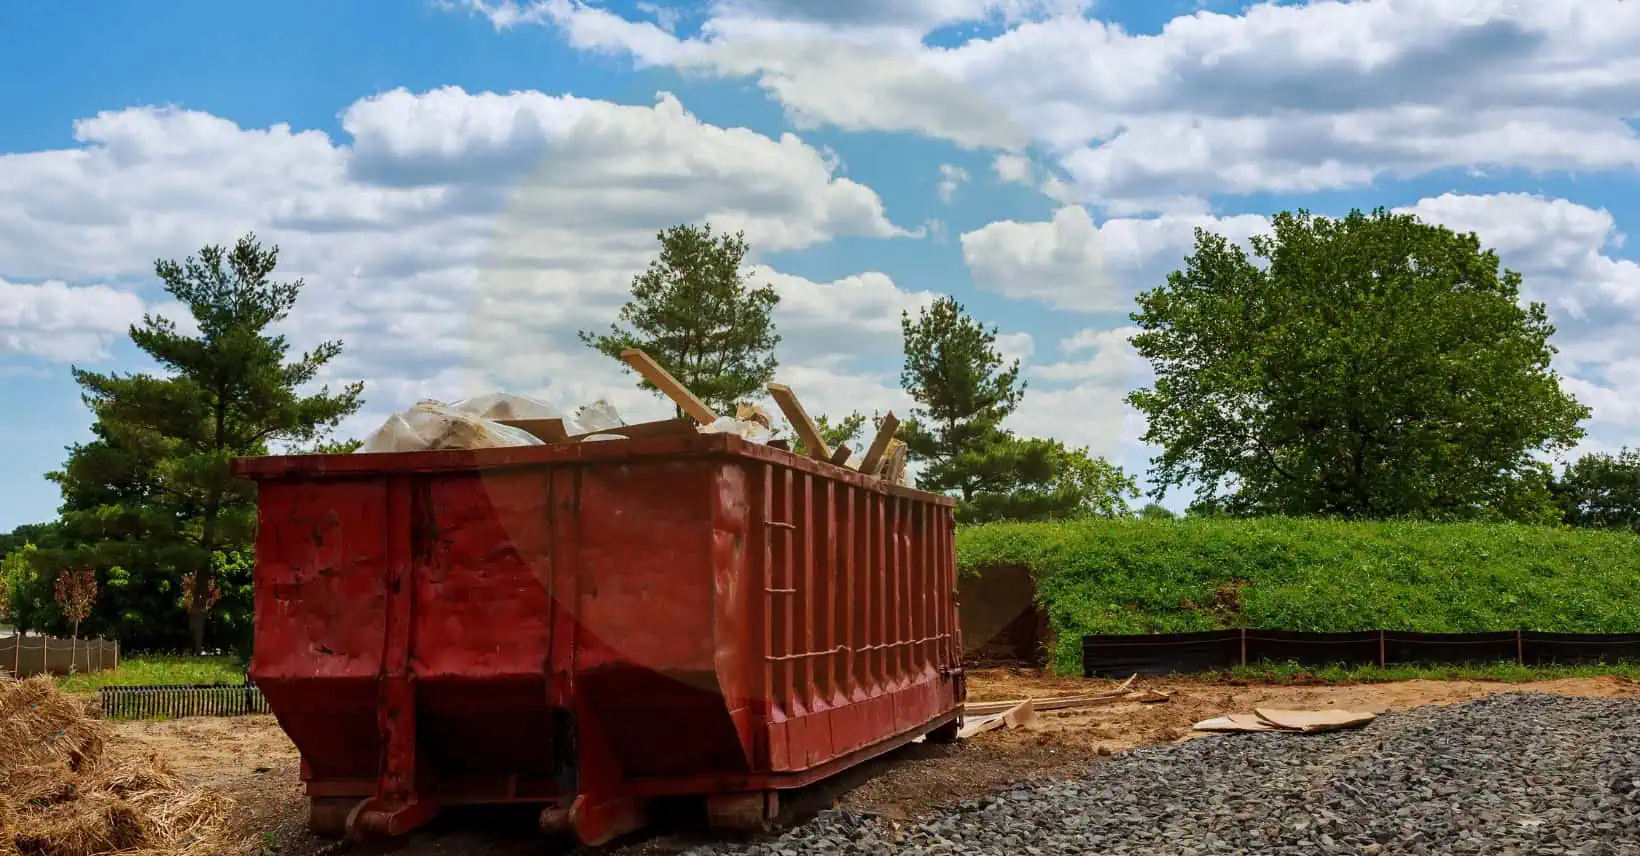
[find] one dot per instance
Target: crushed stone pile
(1518, 773)
(65, 791)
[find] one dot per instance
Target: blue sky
(464, 184)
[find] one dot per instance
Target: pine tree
(228, 391)
(963, 392)
(694, 312)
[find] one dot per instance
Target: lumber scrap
(663, 380)
(1022, 714)
(801, 424)
(641, 430)
(873, 461)
(552, 431)
(1118, 693)
(839, 456)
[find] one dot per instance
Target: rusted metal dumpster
(590, 626)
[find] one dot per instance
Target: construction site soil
(250, 760)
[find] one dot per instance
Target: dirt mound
(64, 791)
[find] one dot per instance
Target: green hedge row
(1168, 576)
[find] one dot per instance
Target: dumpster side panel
(856, 617)
(321, 603)
(646, 665)
(481, 612)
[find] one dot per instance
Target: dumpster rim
(263, 468)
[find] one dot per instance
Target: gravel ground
(1518, 773)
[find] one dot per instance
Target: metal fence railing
(156, 702)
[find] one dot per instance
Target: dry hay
(65, 792)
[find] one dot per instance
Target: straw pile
(63, 792)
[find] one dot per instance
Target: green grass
(1512, 673)
(1170, 576)
(149, 671)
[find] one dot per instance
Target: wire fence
(166, 702)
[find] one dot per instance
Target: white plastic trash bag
(598, 416)
(506, 406)
(752, 431)
(430, 426)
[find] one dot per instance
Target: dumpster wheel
(743, 813)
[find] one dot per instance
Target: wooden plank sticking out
(801, 424)
(839, 456)
(662, 428)
(879, 445)
(663, 380)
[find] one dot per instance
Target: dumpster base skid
(737, 804)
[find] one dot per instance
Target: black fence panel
(1450, 648)
(1215, 650)
(1160, 654)
(1548, 649)
(153, 702)
(1363, 648)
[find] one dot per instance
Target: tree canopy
(1372, 366)
(1601, 490)
(695, 312)
(151, 501)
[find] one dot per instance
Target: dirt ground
(250, 759)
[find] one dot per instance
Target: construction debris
(663, 380)
(64, 793)
(1289, 721)
(801, 424)
(503, 419)
(872, 463)
(980, 717)
(430, 426)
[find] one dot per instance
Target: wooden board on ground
(801, 424)
(668, 385)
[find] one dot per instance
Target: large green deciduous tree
(696, 313)
(1376, 366)
(1601, 490)
(160, 468)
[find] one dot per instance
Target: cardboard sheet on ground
(1235, 722)
(1309, 721)
(1288, 721)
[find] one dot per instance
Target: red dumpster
(589, 626)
